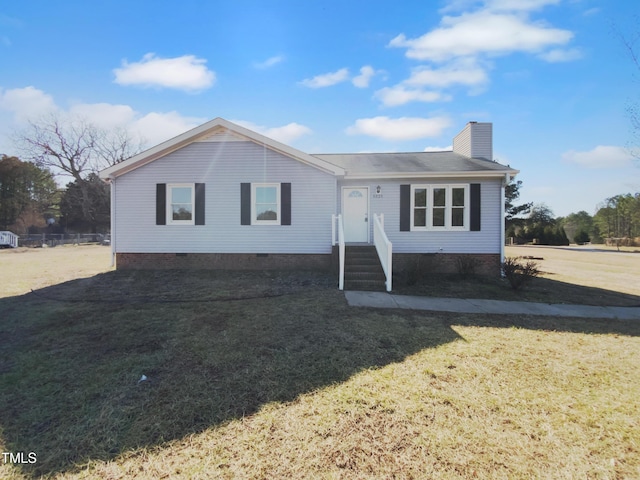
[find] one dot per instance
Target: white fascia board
(422, 175)
(192, 135)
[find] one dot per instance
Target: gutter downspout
(507, 179)
(112, 182)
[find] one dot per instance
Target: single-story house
(222, 196)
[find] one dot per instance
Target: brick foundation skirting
(480, 263)
(222, 261)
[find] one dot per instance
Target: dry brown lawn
(301, 385)
(33, 268)
(606, 268)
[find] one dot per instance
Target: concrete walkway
(386, 300)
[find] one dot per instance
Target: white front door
(355, 210)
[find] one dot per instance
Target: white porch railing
(8, 239)
(341, 246)
(383, 247)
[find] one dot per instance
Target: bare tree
(74, 146)
(631, 45)
(115, 146)
(77, 148)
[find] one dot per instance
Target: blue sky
(345, 76)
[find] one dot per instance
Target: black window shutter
(161, 204)
(405, 208)
(245, 204)
(199, 204)
(474, 208)
(285, 203)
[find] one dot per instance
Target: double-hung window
(420, 207)
(459, 207)
(440, 207)
(265, 204)
(180, 204)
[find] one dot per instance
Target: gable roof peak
(201, 132)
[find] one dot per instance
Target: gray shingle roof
(425, 163)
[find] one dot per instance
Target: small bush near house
(517, 273)
(466, 266)
(415, 273)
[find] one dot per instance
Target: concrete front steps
(362, 269)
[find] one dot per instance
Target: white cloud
(458, 6)
(26, 103)
(362, 80)
(285, 134)
(462, 72)
(104, 115)
(459, 51)
(156, 127)
(465, 71)
(327, 79)
(602, 156)
(269, 62)
(519, 5)
(152, 128)
(591, 11)
(400, 95)
(183, 73)
(404, 128)
(29, 103)
(497, 5)
(561, 55)
(366, 74)
(438, 149)
(482, 32)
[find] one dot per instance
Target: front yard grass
(569, 275)
(272, 375)
(544, 289)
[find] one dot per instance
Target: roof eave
(421, 175)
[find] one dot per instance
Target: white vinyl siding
(222, 167)
(487, 240)
(475, 140)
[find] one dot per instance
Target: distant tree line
(539, 227)
(28, 195)
(617, 219)
(32, 202)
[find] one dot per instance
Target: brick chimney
(475, 140)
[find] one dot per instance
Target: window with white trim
(419, 207)
(180, 204)
(440, 207)
(265, 204)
